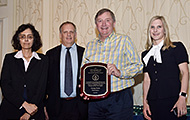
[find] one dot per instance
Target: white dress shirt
(19, 54)
(74, 60)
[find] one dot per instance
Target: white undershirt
(155, 52)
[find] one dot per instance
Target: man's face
(105, 25)
(67, 35)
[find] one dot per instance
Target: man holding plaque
(64, 101)
(123, 63)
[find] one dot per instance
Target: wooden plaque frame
(95, 81)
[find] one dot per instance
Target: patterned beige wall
(132, 17)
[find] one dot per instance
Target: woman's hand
(30, 108)
(146, 109)
(181, 106)
(25, 116)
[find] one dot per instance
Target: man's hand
(112, 70)
(46, 114)
(84, 97)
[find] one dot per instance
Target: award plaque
(95, 81)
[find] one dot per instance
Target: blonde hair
(167, 41)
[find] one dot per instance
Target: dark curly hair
(37, 43)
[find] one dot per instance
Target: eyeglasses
(23, 37)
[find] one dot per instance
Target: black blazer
(165, 76)
(13, 79)
(53, 89)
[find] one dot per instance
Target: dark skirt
(160, 109)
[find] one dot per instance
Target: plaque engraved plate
(95, 81)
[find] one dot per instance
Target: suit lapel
(57, 58)
(80, 55)
(56, 61)
(20, 65)
(32, 64)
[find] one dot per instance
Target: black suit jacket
(13, 79)
(53, 90)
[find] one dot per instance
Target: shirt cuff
(20, 107)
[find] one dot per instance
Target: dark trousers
(117, 106)
(70, 110)
(160, 109)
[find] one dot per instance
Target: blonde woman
(164, 61)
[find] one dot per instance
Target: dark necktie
(68, 73)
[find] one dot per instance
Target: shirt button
(154, 64)
(24, 85)
(156, 79)
(155, 71)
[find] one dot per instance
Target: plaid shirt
(119, 50)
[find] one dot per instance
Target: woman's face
(157, 31)
(26, 39)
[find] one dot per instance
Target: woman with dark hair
(164, 93)
(24, 77)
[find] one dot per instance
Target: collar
(159, 46)
(19, 54)
(107, 39)
(155, 52)
(73, 47)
